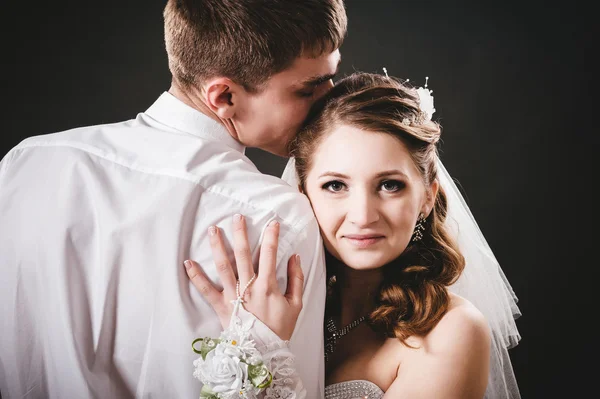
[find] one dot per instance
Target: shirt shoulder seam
(297, 226)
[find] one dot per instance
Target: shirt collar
(171, 111)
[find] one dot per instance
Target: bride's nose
(362, 209)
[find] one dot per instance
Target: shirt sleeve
(276, 355)
(306, 342)
(4, 162)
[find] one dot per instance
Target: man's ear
(222, 96)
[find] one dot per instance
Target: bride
(417, 306)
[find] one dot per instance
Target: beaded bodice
(357, 389)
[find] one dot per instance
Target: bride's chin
(356, 263)
(356, 260)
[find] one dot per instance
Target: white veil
(482, 282)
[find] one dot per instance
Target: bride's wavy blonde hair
(413, 296)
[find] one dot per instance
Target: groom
(95, 222)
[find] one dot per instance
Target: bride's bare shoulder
(462, 324)
(461, 327)
(454, 357)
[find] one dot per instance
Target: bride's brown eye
(334, 186)
(392, 185)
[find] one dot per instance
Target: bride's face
(366, 193)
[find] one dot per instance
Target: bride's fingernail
(187, 264)
(273, 223)
(212, 230)
(297, 259)
(237, 217)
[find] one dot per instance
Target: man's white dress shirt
(95, 224)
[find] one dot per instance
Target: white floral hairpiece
(425, 101)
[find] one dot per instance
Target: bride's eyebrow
(386, 173)
(334, 174)
(390, 173)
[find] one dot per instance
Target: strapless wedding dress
(357, 389)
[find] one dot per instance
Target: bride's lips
(363, 240)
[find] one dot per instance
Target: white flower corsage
(230, 367)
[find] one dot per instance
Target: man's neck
(197, 102)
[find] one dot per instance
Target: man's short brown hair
(248, 41)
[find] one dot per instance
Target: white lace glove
(277, 357)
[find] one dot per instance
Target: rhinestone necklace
(333, 334)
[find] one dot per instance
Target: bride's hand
(262, 297)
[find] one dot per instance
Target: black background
(510, 89)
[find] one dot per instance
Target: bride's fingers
(295, 284)
(213, 296)
(221, 260)
(241, 248)
(268, 254)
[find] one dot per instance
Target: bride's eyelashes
(388, 186)
(334, 186)
(392, 186)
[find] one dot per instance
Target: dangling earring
(419, 228)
